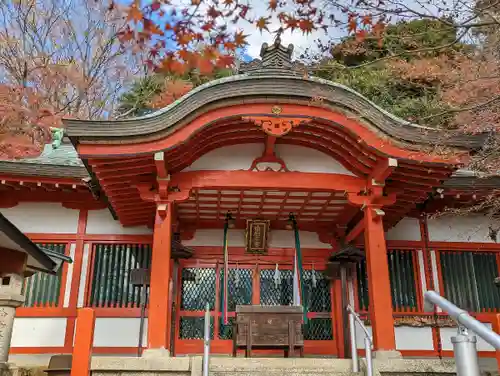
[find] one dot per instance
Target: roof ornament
(274, 59)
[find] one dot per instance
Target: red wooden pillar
(84, 339)
(378, 282)
(159, 311)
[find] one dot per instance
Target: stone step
(279, 366)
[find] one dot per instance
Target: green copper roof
(62, 161)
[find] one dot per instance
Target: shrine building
(265, 188)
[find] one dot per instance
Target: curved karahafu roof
(337, 121)
(273, 81)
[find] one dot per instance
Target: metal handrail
(206, 341)
(353, 319)
(464, 319)
(464, 345)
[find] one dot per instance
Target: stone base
(4, 369)
(383, 355)
(156, 353)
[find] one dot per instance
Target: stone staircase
(227, 366)
(280, 367)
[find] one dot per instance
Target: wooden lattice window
(403, 278)
(467, 279)
(110, 275)
(42, 289)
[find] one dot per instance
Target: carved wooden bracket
(372, 200)
(268, 163)
(276, 125)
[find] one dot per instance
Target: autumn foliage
(206, 34)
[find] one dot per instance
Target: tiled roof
(64, 155)
(60, 162)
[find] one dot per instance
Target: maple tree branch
(407, 52)
(464, 109)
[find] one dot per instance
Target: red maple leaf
(262, 23)
(225, 61)
(306, 25)
(134, 13)
(205, 66)
(291, 23)
(240, 39)
(366, 20)
(273, 4)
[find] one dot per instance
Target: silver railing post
(464, 347)
(354, 348)
(206, 341)
(369, 357)
(353, 320)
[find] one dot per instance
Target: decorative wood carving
(276, 125)
(256, 235)
(268, 163)
(421, 321)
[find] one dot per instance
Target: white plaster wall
(43, 217)
(101, 222)
(118, 332)
(447, 333)
(360, 335)
(236, 238)
(472, 228)
(38, 332)
(406, 229)
(408, 338)
(300, 158)
(240, 157)
(69, 277)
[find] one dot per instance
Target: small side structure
(19, 258)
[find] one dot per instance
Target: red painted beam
(356, 231)
(267, 180)
(383, 170)
(161, 165)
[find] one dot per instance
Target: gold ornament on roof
(276, 110)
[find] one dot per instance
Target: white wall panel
(300, 158)
(69, 277)
(473, 228)
(409, 338)
(406, 229)
(102, 222)
(43, 217)
(38, 332)
(447, 333)
(233, 157)
(118, 332)
(240, 157)
(236, 238)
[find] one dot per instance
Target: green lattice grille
(318, 299)
(402, 278)
(239, 288)
(239, 291)
(361, 275)
(319, 329)
(468, 279)
(193, 327)
(112, 263)
(226, 331)
(197, 288)
(272, 295)
(41, 289)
